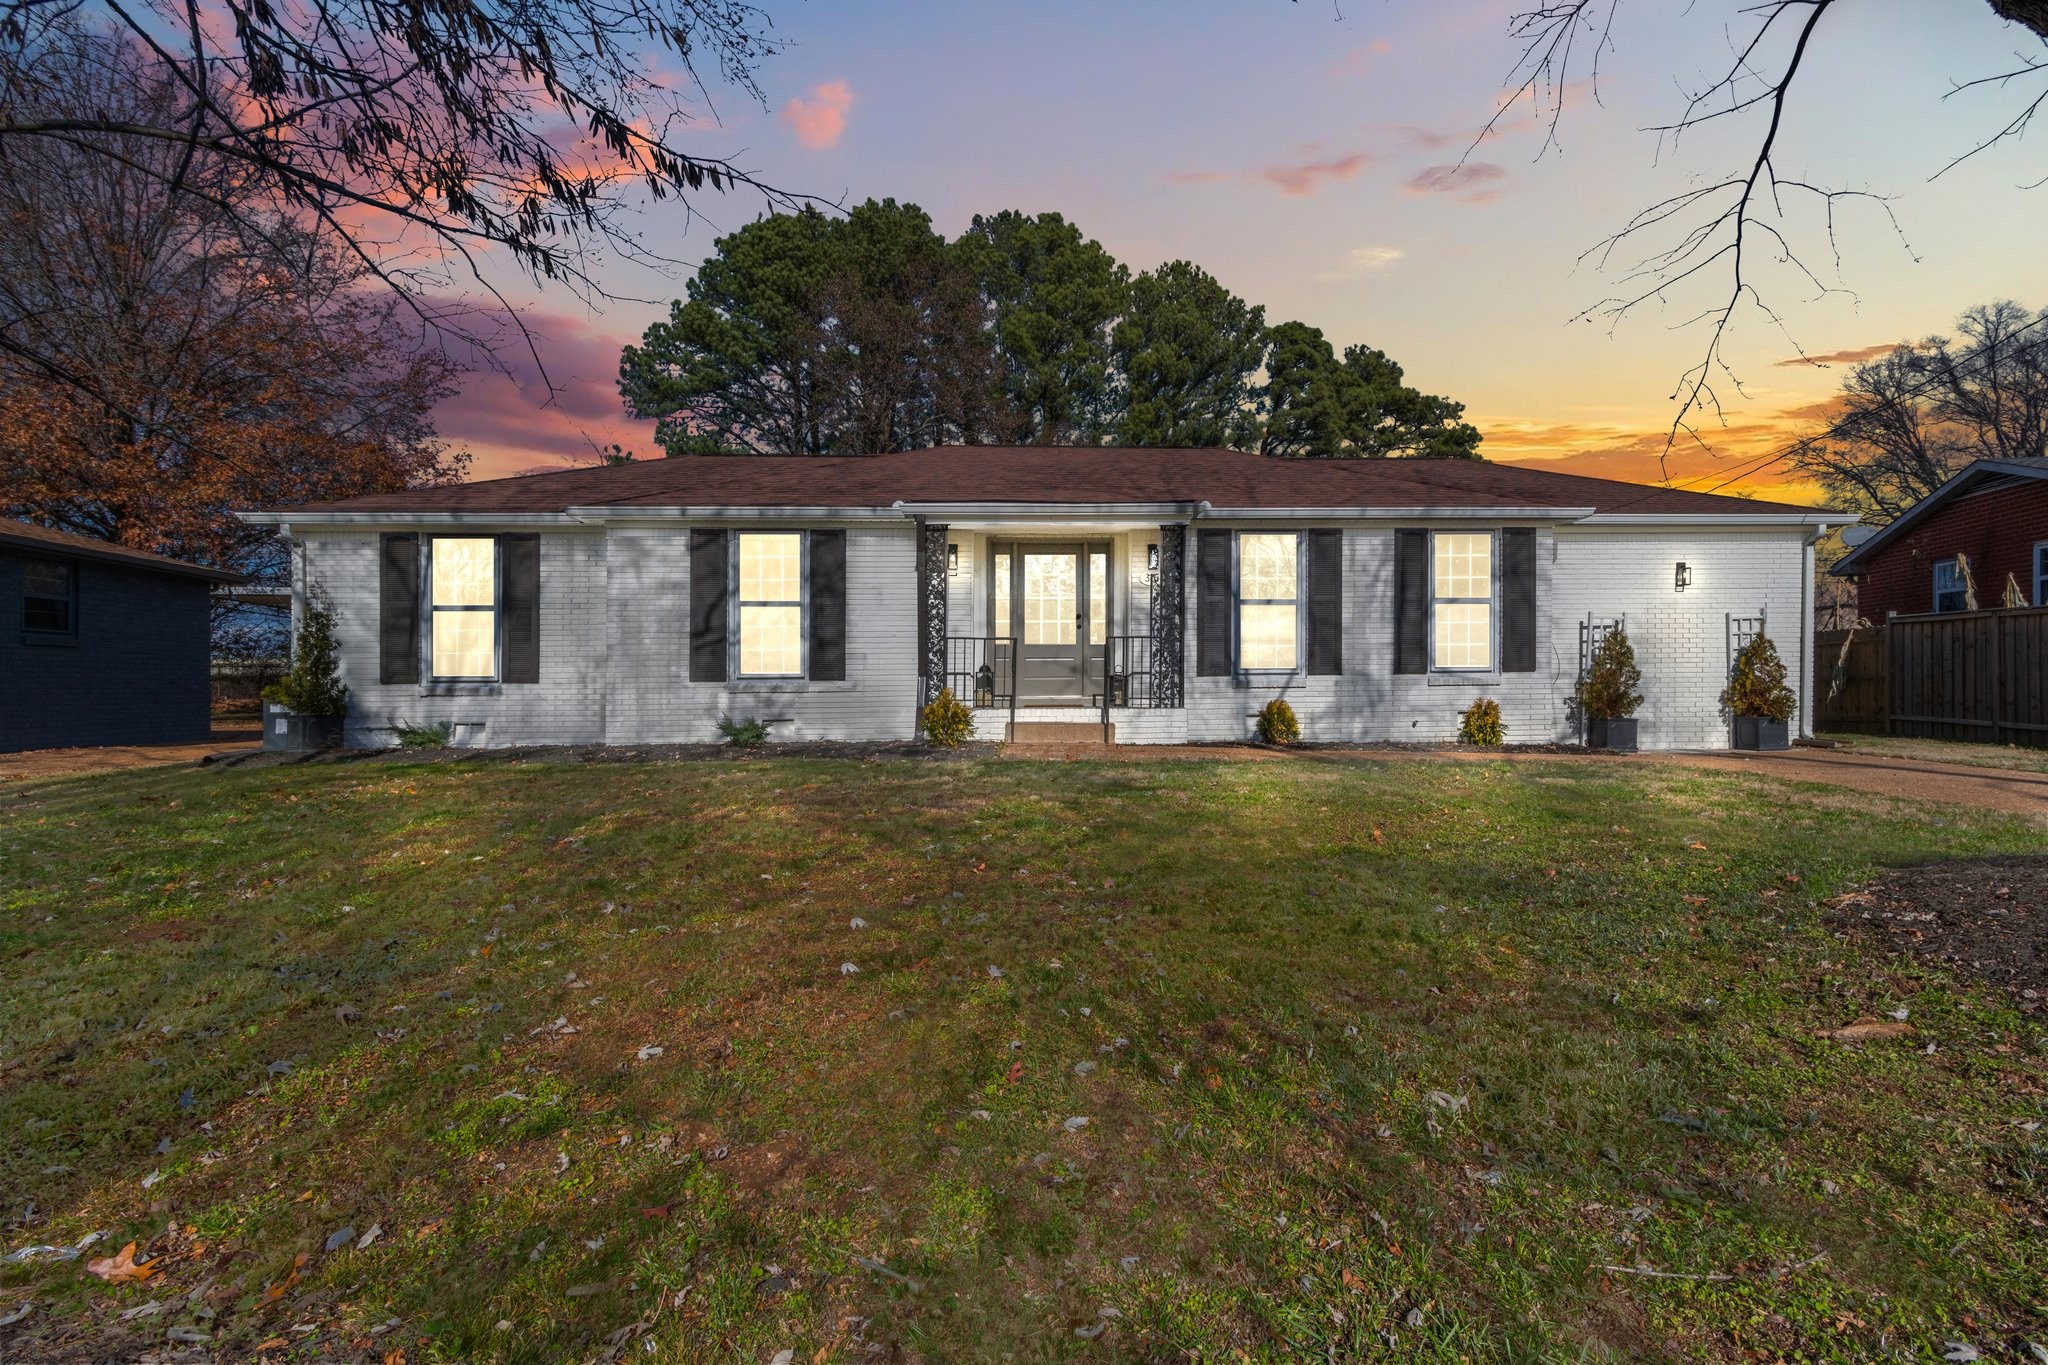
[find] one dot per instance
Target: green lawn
(1392, 1060)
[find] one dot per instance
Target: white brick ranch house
(1166, 593)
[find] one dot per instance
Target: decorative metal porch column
(931, 609)
(1169, 617)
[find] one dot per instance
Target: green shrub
(1608, 691)
(1481, 724)
(313, 687)
(1277, 724)
(435, 736)
(947, 720)
(743, 734)
(1757, 687)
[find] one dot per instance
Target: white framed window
(462, 609)
(1461, 614)
(771, 604)
(1268, 601)
(1948, 585)
(2041, 574)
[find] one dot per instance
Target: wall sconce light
(952, 559)
(1152, 559)
(1683, 578)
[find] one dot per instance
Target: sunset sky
(1304, 153)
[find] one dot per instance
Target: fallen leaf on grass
(18, 1314)
(121, 1267)
(273, 1292)
(1015, 1073)
(188, 1336)
(1864, 1029)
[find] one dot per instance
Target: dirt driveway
(1911, 779)
(116, 758)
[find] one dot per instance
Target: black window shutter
(709, 570)
(1411, 601)
(1326, 601)
(1518, 600)
(398, 607)
(828, 606)
(1212, 604)
(519, 570)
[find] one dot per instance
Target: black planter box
(299, 734)
(1754, 732)
(1618, 734)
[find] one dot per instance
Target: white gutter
(1052, 511)
(604, 512)
(1819, 516)
(301, 518)
(1400, 513)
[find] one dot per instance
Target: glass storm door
(1057, 600)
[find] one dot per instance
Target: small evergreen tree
(1608, 691)
(1481, 724)
(1277, 723)
(1757, 687)
(313, 687)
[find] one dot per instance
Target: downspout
(1807, 560)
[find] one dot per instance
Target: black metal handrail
(982, 671)
(1127, 676)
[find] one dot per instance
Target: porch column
(1169, 617)
(931, 609)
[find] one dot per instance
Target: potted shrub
(1757, 699)
(1607, 694)
(305, 709)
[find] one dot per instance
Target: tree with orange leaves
(180, 353)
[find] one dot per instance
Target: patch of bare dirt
(1984, 918)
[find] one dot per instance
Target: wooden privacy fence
(1851, 700)
(1980, 676)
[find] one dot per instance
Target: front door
(1056, 598)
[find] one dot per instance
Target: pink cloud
(1304, 178)
(508, 418)
(819, 120)
(1470, 182)
(1359, 60)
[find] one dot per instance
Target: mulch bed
(1985, 918)
(612, 753)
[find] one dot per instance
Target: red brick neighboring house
(1994, 514)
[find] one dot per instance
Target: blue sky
(1304, 159)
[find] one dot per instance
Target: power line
(1834, 428)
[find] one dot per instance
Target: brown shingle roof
(28, 536)
(1079, 475)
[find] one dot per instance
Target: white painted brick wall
(615, 642)
(1679, 639)
(567, 705)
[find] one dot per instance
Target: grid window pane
(465, 571)
(1266, 567)
(1050, 592)
(1464, 635)
(1003, 625)
(465, 643)
(1464, 566)
(772, 568)
(46, 597)
(1098, 598)
(1266, 636)
(772, 640)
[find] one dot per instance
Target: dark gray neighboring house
(100, 644)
